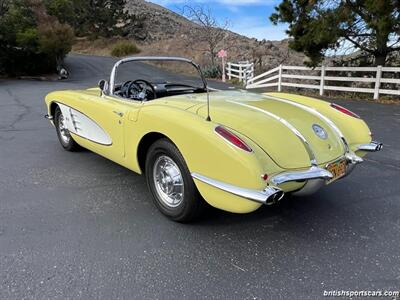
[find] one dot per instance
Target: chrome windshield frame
(111, 86)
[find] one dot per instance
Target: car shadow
(329, 213)
(321, 216)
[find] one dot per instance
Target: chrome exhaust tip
(374, 146)
(379, 146)
(275, 197)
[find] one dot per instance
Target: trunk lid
(262, 119)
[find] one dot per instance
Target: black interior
(143, 90)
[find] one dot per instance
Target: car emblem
(320, 132)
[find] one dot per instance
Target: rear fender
(206, 153)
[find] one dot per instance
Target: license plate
(338, 170)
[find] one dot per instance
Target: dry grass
(169, 47)
(173, 47)
(124, 48)
(101, 47)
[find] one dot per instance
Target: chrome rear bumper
(268, 196)
(314, 178)
(312, 173)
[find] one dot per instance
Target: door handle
(121, 114)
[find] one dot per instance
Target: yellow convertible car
(232, 149)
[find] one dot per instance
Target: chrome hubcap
(64, 133)
(168, 181)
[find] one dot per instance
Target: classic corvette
(234, 150)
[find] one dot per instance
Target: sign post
(223, 54)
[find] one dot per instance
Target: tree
(54, 39)
(31, 41)
(369, 26)
(64, 10)
(33, 31)
(210, 32)
(94, 18)
(3, 6)
(104, 18)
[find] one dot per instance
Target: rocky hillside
(161, 31)
(153, 22)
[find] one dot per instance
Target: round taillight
(344, 110)
(232, 138)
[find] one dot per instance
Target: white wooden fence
(281, 76)
(242, 70)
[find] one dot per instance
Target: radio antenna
(208, 105)
(207, 90)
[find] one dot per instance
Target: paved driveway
(75, 225)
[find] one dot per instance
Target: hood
(262, 119)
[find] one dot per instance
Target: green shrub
(56, 41)
(27, 39)
(235, 81)
(31, 41)
(212, 72)
(124, 48)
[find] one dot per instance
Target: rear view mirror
(103, 85)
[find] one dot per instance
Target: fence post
(223, 69)
(240, 72)
(229, 71)
(280, 79)
(246, 69)
(378, 82)
(322, 83)
(252, 70)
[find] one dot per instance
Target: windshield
(152, 78)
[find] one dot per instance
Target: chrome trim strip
(267, 196)
(310, 110)
(348, 151)
(307, 146)
(371, 147)
(312, 173)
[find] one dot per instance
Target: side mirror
(103, 85)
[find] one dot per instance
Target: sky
(247, 17)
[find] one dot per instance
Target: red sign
(222, 53)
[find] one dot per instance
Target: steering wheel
(138, 90)
(125, 89)
(147, 91)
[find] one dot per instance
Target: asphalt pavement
(77, 226)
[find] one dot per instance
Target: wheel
(63, 134)
(169, 180)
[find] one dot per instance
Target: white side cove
(83, 126)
